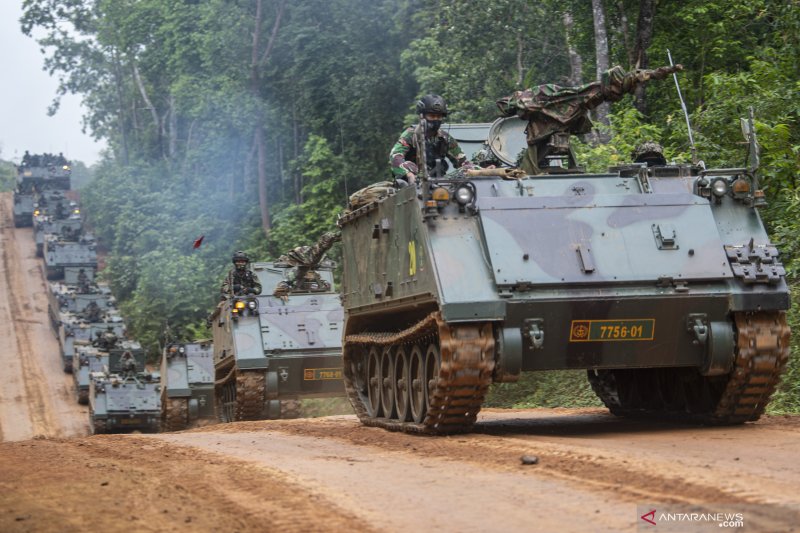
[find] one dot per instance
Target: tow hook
(698, 324)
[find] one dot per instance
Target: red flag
(198, 242)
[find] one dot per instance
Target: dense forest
(249, 122)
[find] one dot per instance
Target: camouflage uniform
(127, 363)
(551, 109)
(92, 312)
(305, 259)
(239, 282)
(438, 147)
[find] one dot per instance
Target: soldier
(240, 279)
(305, 259)
(26, 159)
(651, 153)
(83, 281)
(127, 363)
(554, 113)
(106, 340)
(92, 312)
(404, 158)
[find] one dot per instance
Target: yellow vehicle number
(638, 329)
(321, 374)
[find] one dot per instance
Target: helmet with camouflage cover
(649, 152)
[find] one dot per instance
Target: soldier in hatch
(240, 279)
(305, 260)
(106, 340)
(92, 312)
(650, 153)
(554, 113)
(405, 159)
(127, 363)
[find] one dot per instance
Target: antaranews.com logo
(663, 518)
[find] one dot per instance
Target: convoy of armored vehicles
(658, 279)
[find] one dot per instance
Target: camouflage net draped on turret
(552, 110)
(305, 260)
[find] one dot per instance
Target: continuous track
(455, 393)
(762, 351)
(174, 414)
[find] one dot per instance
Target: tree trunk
(575, 59)
(121, 103)
(297, 178)
(601, 53)
(626, 33)
(644, 35)
(173, 128)
(153, 113)
(257, 61)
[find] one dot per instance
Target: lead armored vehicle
(660, 281)
(33, 178)
(187, 384)
(125, 398)
(271, 350)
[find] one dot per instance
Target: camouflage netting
(370, 193)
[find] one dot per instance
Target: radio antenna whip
(685, 112)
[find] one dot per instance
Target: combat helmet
(649, 152)
(239, 257)
(432, 103)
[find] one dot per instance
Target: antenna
(685, 112)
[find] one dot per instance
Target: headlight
(182, 349)
(252, 304)
(239, 304)
(719, 187)
(464, 195)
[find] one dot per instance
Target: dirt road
(595, 473)
(36, 397)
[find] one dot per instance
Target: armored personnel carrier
(126, 398)
(187, 384)
(659, 280)
(89, 359)
(64, 222)
(76, 331)
(274, 349)
(60, 253)
(36, 177)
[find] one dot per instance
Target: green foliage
(169, 85)
(564, 388)
(8, 176)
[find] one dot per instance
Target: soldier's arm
(397, 156)
(256, 284)
(455, 154)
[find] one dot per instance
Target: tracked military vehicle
(187, 384)
(93, 359)
(660, 281)
(56, 217)
(126, 398)
(60, 253)
(76, 330)
(272, 350)
(33, 179)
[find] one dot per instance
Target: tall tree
(601, 55)
(644, 36)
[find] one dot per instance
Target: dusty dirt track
(332, 474)
(36, 397)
